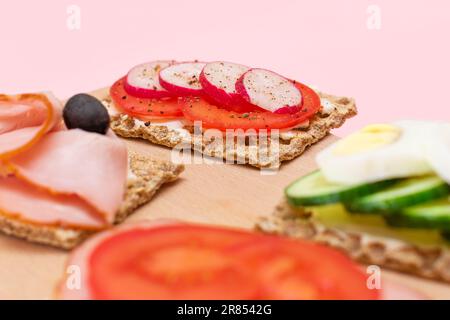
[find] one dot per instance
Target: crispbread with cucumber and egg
(382, 195)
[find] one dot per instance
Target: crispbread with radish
(182, 78)
(225, 96)
(293, 142)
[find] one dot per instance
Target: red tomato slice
(300, 270)
(198, 109)
(140, 107)
(199, 262)
(171, 262)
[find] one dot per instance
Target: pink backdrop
(399, 71)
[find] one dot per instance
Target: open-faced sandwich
(170, 260)
(224, 110)
(382, 195)
(60, 181)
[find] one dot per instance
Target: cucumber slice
(405, 193)
(430, 215)
(314, 189)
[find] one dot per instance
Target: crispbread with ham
(57, 185)
(146, 176)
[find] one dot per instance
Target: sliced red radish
(218, 80)
(143, 80)
(269, 91)
(182, 79)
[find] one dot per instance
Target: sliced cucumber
(314, 189)
(405, 193)
(430, 215)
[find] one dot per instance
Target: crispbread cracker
(290, 145)
(431, 262)
(148, 175)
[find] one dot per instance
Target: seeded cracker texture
(148, 175)
(288, 148)
(432, 262)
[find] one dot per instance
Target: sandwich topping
(167, 260)
(53, 176)
(390, 176)
(222, 95)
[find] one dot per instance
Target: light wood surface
(220, 194)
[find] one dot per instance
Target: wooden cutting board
(220, 194)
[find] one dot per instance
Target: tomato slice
(300, 270)
(199, 262)
(172, 262)
(198, 109)
(144, 108)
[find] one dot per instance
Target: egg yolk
(371, 137)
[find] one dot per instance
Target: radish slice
(218, 80)
(269, 91)
(182, 79)
(143, 80)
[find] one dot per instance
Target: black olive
(85, 112)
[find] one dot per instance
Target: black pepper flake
(124, 97)
(147, 123)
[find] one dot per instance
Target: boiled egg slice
(438, 152)
(378, 152)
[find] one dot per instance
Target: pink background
(400, 71)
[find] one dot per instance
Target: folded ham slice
(24, 119)
(33, 205)
(54, 176)
(90, 165)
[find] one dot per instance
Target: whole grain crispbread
(431, 262)
(146, 177)
(267, 155)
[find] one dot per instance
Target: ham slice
(24, 119)
(20, 201)
(89, 165)
(53, 176)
